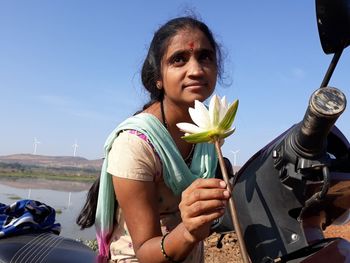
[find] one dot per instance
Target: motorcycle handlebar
(325, 106)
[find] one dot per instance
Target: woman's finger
(196, 223)
(205, 194)
(206, 183)
(202, 207)
(195, 191)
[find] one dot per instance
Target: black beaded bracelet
(163, 251)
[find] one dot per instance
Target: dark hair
(151, 72)
(86, 217)
(151, 69)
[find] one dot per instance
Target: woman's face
(189, 68)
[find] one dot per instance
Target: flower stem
(231, 205)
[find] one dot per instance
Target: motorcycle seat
(44, 248)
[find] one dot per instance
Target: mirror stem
(331, 68)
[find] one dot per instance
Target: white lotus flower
(211, 125)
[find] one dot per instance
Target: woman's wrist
(187, 236)
(176, 245)
(165, 255)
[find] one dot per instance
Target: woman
(166, 208)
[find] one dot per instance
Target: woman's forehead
(188, 39)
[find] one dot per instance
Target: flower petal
(200, 115)
(229, 117)
(214, 111)
(189, 127)
(224, 102)
(223, 108)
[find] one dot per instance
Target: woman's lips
(195, 85)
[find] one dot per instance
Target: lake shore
(35, 183)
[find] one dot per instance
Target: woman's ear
(159, 84)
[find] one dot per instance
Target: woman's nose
(195, 67)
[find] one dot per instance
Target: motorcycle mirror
(333, 21)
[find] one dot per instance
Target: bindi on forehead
(191, 46)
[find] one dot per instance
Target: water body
(67, 198)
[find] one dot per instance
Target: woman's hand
(201, 203)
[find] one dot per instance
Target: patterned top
(139, 161)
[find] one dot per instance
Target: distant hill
(53, 164)
(52, 161)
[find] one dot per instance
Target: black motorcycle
(290, 191)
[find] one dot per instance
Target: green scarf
(177, 175)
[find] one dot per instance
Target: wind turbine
(235, 157)
(75, 146)
(35, 144)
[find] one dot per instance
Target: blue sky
(69, 70)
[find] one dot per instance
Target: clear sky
(69, 70)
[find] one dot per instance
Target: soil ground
(229, 253)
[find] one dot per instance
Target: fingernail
(222, 184)
(226, 193)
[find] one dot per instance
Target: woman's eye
(178, 60)
(206, 56)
